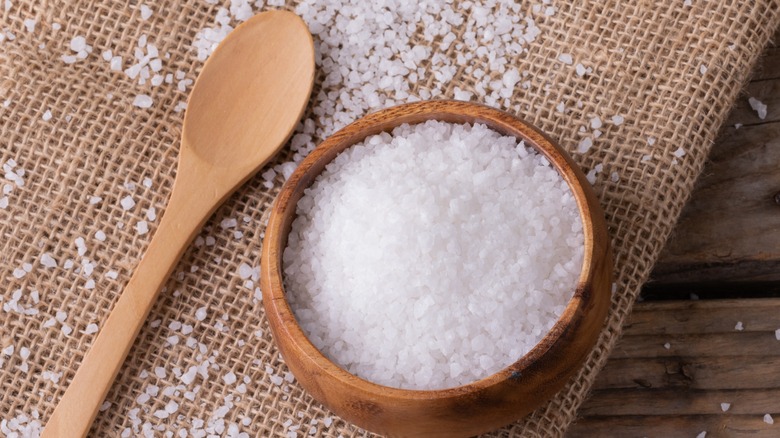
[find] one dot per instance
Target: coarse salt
(142, 101)
(353, 233)
(759, 107)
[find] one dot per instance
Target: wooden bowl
(480, 406)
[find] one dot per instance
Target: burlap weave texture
(646, 60)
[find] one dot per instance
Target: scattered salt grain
(91, 328)
(127, 202)
(200, 314)
(777, 334)
(159, 372)
(759, 107)
(595, 123)
(617, 120)
(585, 145)
(702, 435)
(566, 58)
(739, 326)
(725, 406)
(738, 125)
(100, 235)
(561, 108)
(142, 227)
(142, 101)
(146, 12)
(94, 200)
(768, 419)
(228, 223)
(46, 116)
(667, 345)
(229, 378)
(29, 24)
(445, 272)
(651, 141)
(702, 69)
(680, 152)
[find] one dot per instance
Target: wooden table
(682, 354)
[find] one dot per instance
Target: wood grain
(228, 106)
(649, 390)
(480, 406)
(728, 231)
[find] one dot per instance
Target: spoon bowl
(243, 108)
(476, 407)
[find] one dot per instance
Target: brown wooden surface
(727, 243)
(649, 390)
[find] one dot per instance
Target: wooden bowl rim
(277, 306)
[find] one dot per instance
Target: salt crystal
(142, 101)
(78, 44)
(159, 372)
(725, 406)
(565, 58)
(739, 326)
(228, 223)
(46, 116)
(702, 69)
(777, 334)
(768, 419)
(759, 107)
(90, 329)
(29, 24)
(200, 314)
(66, 330)
(651, 141)
(94, 200)
(229, 378)
(680, 152)
(146, 12)
(617, 120)
(702, 435)
(142, 227)
(48, 261)
(585, 145)
(595, 123)
(127, 202)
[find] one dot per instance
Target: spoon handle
(78, 407)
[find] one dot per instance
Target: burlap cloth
(646, 62)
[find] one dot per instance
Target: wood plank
(690, 402)
(727, 230)
(726, 372)
(748, 344)
(681, 317)
(716, 426)
(648, 390)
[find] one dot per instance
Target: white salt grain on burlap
(422, 259)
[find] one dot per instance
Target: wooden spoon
(243, 108)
